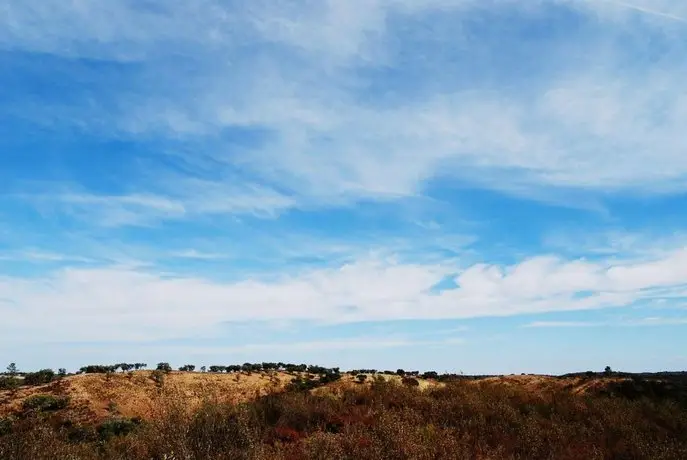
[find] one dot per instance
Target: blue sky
(487, 186)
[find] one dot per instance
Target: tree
(62, 372)
(187, 368)
(401, 372)
(96, 369)
(608, 370)
(203, 368)
(12, 369)
(165, 367)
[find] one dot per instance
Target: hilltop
(97, 396)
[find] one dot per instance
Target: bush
(411, 382)
(39, 378)
(5, 426)
(44, 403)
(118, 427)
(158, 377)
(9, 383)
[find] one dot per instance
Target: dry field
(95, 397)
(261, 416)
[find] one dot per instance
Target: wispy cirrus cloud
(33, 255)
(196, 199)
(554, 324)
(550, 129)
(643, 322)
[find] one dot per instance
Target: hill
(275, 415)
(94, 397)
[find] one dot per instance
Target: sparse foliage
(158, 377)
(12, 369)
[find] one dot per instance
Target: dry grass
(206, 416)
(136, 394)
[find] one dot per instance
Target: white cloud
(195, 254)
(657, 321)
(671, 10)
(357, 343)
(33, 255)
(586, 127)
(123, 304)
(178, 199)
(651, 321)
(538, 324)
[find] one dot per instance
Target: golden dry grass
(136, 394)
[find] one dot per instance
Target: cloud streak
(644, 322)
(85, 304)
(316, 116)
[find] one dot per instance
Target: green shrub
(44, 403)
(118, 427)
(39, 378)
(5, 425)
(9, 383)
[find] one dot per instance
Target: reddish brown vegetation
(383, 420)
